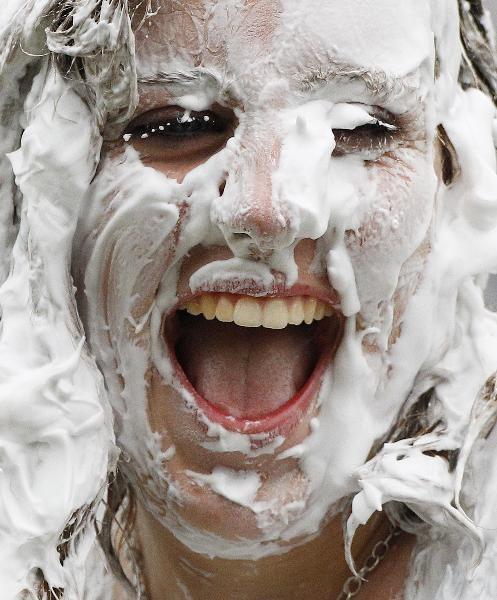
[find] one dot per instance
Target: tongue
(247, 373)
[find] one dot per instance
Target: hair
(56, 31)
(479, 66)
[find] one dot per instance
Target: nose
(251, 215)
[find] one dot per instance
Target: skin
(313, 570)
(398, 172)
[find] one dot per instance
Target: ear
(446, 162)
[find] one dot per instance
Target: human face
(301, 173)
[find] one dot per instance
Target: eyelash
(372, 138)
(180, 125)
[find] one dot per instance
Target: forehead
(253, 42)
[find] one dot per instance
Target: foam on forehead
(365, 32)
(253, 43)
(386, 34)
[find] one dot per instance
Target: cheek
(394, 227)
(127, 242)
(128, 239)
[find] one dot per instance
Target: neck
(313, 570)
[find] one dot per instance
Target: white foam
(52, 399)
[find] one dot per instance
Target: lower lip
(279, 422)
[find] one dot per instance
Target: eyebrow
(181, 79)
(378, 82)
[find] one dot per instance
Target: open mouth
(253, 364)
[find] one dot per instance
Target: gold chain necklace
(354, 583)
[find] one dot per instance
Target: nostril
(240, 236)
(221, 188)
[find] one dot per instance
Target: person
(244, 349)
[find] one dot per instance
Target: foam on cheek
(53, 404)
(328, 198)
(447, 332)
(125, 236)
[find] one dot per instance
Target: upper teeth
(247, 311)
